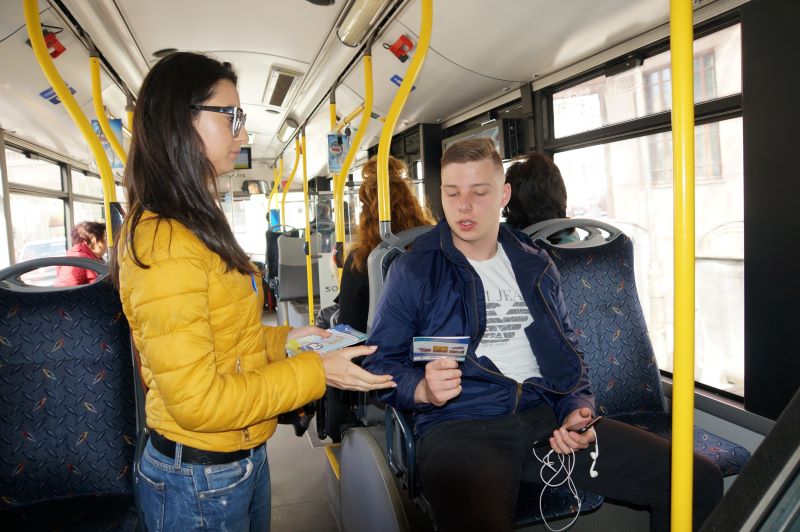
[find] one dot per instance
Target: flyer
(436, 347)
(341, 336)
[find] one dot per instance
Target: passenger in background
(88, 241)
(217, 378)
(323, 224)
(537, 194)
(406, 214)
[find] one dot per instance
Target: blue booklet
(341, 336)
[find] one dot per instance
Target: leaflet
(435, 347)
(341, 336)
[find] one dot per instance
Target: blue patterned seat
(67, 404)
(598, 282)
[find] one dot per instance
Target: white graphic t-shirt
(507, 315)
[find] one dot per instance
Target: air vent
(279, 83)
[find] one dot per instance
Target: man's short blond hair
(472, 150)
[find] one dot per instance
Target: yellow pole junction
(684, 242)
(349, 118)
(34, 25)
(99, 110)
(309, 276)
(289, 181)
(338, 192)
(384, 207)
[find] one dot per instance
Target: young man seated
(523, 379)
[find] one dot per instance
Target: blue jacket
(434, 291)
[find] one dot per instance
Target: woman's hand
(307, 330)
(340, 372)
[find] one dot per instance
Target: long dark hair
(168, 172)
(537, 192)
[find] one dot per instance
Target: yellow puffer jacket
(217, 377)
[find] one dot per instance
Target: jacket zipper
(246, 432)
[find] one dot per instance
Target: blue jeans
(180, 496)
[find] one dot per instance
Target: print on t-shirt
(504, 341)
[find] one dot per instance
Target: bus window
(629, 183)
(645, 90)
(32, 171)
(86, 185)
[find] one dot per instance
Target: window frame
(708, 112)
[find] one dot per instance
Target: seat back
(292, 280)
(381, 258)
(599, 288)
(272, 235)
(66, 388)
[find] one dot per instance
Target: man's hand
(564, 441)
(442, 382)
(306, 330)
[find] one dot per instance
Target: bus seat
(292, 281)
(381, 258)
(67, 404)
(597, 279)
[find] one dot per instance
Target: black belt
(190, 455)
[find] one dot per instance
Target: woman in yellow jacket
(217, 377)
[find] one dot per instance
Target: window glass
(87, 212)
(33, 172)
(86, 185)
(629, 184)
(39, 231)
(646, 90)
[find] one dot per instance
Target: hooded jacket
(74, 276)
(217, 377)
(434, 291)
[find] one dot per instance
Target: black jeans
(471, 470)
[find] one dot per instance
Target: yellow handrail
(338, 192)
(288, 184)
(276, 183)
(32, 21)
(344, 122)
(99, 110)
(683, 179)
(309, 276)
(384, 207)
(129, 109)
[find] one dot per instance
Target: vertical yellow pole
(309, 272)
(99, 109)
(289, 181)
(683, 179)
(384, 206)
(338, 193)
(276, 182)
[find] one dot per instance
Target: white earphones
(566, 466)
(594, 454)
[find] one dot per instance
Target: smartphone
(580, 428)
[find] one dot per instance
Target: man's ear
(506, 194)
